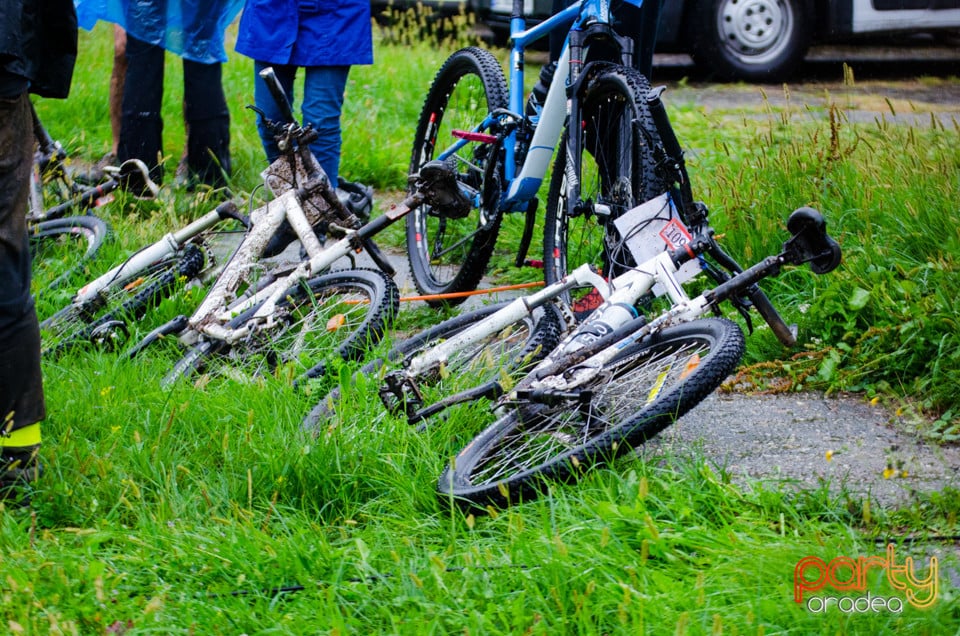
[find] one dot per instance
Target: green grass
(184, 510)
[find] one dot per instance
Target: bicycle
(502, 149)
(619, 378)
(614, 381)
(261, 314)
(651, 249)
(646, 165)
(61, 241)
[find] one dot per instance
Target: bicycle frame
(525, 182)
(625, 289)
(582, 354)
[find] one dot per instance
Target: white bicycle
(615, 379)
(266, 311)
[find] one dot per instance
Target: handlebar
(809, 243)
(269, 76)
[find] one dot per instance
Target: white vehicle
(765, 40)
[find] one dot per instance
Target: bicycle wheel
(345, 311)
(105, 318)
(643, 390)
(450, 254)
(617, 173)
(59, 248)
(509, 351)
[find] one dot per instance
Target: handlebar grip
(273, 84)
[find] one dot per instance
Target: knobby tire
(446, 254)
(643, 390)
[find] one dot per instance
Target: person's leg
(322, 104)
(642, 24)
(207, 123)
(141, 125)
(21, 385)
(117, 77)
(265, 102)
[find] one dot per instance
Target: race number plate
(653, 227)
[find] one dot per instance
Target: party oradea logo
(883, 584)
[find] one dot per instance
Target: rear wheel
(450, 254)
(617, 173)
(346, 312)
(643, 390)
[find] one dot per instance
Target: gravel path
(785, 439)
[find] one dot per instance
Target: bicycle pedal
(400, 395)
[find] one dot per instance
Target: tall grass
(204, 509)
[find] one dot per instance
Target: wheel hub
(752, 26)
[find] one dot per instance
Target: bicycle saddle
(810, 241)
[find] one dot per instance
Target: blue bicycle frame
(524, 185)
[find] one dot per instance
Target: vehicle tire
(643, 390)
(104, 319)
(60, 247)
(617, 170)
(511, 350)
(451, 254)
(346, 312)
(751, 40)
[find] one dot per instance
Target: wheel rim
(310, 329)
(755, 31)
(480, 362)
(75, 323)
(444, 243)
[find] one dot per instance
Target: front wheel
(752, 40)
(617, 171)
(346, 312)
(450, 254)
(643, 390)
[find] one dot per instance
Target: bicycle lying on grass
(621, 375)
(61, 241)
(614, 381)
(257, 306)
(264, 313)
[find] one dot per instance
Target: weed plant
(203, 508)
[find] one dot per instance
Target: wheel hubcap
(754, 28)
